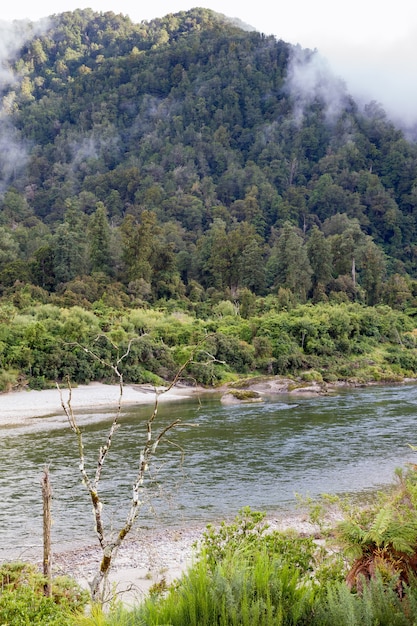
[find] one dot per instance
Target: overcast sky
(371, 44)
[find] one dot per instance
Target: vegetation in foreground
(361, 572)
(22, 599)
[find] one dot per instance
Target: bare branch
(91, 486)
(110, 547)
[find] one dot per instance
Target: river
(260, 455)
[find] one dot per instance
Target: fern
(380, 527)
(391, 523)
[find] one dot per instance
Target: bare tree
(109, 543)
(47, 521)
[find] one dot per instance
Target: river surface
(260, 455)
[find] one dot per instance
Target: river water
(260, 455)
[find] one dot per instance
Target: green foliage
(243, 576)
(164, 167)
(8, 379)
(378, 605)
(22, 599)
(288, 265)
(41, 343)
(242, 533)
(246, 574)
(390, 523)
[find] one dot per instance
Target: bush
(8, 379)
(312, 376)
(244, 576)
(237, 591)
(378, 605)
(22, 599)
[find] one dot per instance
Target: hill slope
(186, 156)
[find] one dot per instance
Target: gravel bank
(146, 557)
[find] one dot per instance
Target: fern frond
(402, 537)
(379, 527)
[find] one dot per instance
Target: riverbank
(150, 555)
(26, 406)
(147, 558)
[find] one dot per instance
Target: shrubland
(22, 599)
(41, 343)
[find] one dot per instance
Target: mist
(384, 73)
(13, 151)
(310, 77)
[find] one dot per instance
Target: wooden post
(47, 520)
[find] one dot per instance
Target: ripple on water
(260, 455)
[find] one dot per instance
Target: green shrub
(23, 603)
(312, 376)
(237, 591)
(8, 379)
(378, 605)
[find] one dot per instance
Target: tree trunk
(47, 497)
(354, 271)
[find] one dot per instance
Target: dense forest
(190, 167)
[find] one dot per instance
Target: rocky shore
(148, 557)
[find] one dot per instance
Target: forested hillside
(187, 164)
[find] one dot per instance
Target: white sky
(371, 44)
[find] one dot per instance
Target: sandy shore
(24, 407)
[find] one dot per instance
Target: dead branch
(47, 522)
(110, 546)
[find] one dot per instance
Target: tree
(70, 244)
(252, 267)
(9, 249)
(99, 240)
(42, 268)
(109, 543)
(320, 257)
(230, 258)
(396, 292)
(372, 264)
(346, 239)
(288, 265)
(166, 281)
(213, 256)
(138, 241)
(14, 208)
(328, 198)
(68, 257)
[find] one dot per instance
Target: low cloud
(385, 73)
(310, 78)
(13, 35)
(13, 151)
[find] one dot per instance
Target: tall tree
(139, 239)
(99, 240)
(70, 244)
(68, 257)
(320, 256)
(372, 265)
(288, 265)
